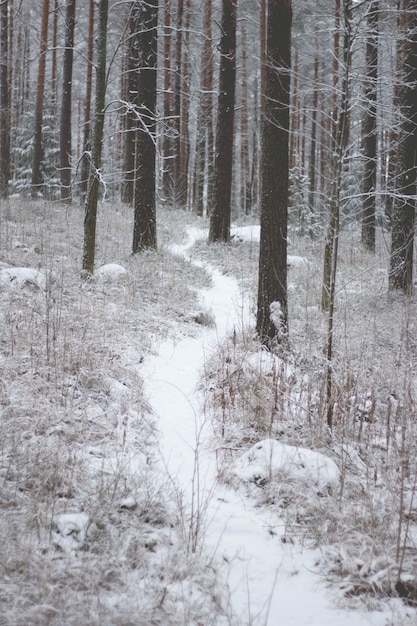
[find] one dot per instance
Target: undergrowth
(89, 529)
(367, 529)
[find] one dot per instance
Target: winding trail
(270, 583)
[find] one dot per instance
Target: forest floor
(158, 467)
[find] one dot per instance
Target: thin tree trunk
(65, 147)
(40, 90)
(244, 128)
(220, 217)
(87, 104)
(90, 218)
(332, 239)
(204, 150)
(4, 101)
(313, 139)
(132, 99)
(185, 104)
(272, 310)
(167, 148)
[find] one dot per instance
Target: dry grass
(77, 435)
(369, 526)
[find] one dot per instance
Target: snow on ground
(89, 530)
(271, 582)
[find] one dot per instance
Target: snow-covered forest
(208, 338)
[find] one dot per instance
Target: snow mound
(299, 262)
(22, 277)
(70, 530)
(111, 271)
(270, 459)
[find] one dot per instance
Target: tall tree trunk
(244, 129)
(176, 137)
(403, 218)
(272, 310)
(144, 225)
(204, 149)
(167, 147)
(132, 98)
(4, 101)
(54, 56)
(221, 214)
(369, 130)
(40, 90)
(90, 217)
(332, 238)
(262, 36)
(87, 104)
(65, 146)
(394, 131)
(185, 104)
(338, 160)
(313, 138)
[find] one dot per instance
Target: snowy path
(271, 583)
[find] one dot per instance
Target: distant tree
(131, 98)
(369, 129)
(168, 106)
(244, 192)
(204, 131)
(87, 104)
(223, 164)
(40, 90)
(91, 202)
(177, 189)
(4, 100)
(184, 110)
(65, 147)
(144, 225)
(313, 139)
(339, 137)
(272, 316)
(403, 217)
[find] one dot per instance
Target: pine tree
(369, 130)
(223, 165)
(403, 218)
(272, 315)
(90, 217)
(66, 105)
(144, 225)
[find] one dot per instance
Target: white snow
(21, 277)
(271, 582)
(270, 459)
(111, 271)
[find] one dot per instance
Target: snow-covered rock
(111, 271)
(272, 460)
(70, 530)
(22, 277)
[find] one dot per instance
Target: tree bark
(87, 104)
(403, 218)
(144, 226)
(40, 90)
(369, 130)
(65, 146)
(221, 214)
(204, 147)
(90, 218)
(4, 101)
(132, 99)
(272, 321)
